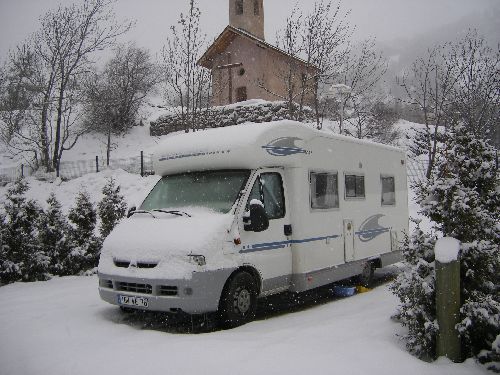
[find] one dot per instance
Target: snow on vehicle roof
(241, 146)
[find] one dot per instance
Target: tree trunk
(108, 148)
(43, 132)
(57, 142)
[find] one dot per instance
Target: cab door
(269, 251)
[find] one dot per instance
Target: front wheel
(238, 301)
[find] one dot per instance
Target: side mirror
(258, 220)
(131, 211)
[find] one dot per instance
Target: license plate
(133, 301)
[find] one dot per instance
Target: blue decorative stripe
(373, 231)
(263, 248)
(282, 244)
(182, 156)
(315, 239)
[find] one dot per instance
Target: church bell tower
(247, 15)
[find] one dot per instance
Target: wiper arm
(141, 212)
(173, 212)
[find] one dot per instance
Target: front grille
(106, 283)
(146, 265)
(126, 264)
(135, 288)
(167, 290)
(122, 264)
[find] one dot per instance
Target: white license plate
(133, 301)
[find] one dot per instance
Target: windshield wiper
(141, 212)
(173, 212)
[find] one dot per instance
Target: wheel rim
(242, 301)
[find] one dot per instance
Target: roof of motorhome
(248, 134)
(246, 146)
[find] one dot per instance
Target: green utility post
(448, 297)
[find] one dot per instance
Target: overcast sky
(384, 19)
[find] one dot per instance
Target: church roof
(227, 36)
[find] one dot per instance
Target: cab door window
(268, 188)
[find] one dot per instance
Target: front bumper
(198, 295)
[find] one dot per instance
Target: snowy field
(62, 327)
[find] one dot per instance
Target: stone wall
(216, 117)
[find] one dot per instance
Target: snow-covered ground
(62, 327)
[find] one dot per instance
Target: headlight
(197, 259)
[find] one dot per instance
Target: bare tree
(47, 69)
(290, 42)
(475, 97)
(26, 104)
(455, 83)
(187, 83)
(314, 44)
(325, 34)
(428, 85)
(70, 35)
(362, 71)
(115, 96)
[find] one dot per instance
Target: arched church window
(239, 7)
(256, 7)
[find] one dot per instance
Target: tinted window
(324, 190)
(268, 188)
(388, 191)
(354, 186)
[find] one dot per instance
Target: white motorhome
(251, 210)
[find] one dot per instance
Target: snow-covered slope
(133, 188)
(91, 145)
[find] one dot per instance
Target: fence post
(96, 164)
(448, 298)
(142, 163)
(22, 170)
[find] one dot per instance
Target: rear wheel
(366, 277)
(238, 301)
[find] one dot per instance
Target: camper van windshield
(216, 190)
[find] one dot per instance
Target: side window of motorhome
(388, 191)
(324, 190)
(354, 186)
(268, 188)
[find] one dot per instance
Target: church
(244, 66)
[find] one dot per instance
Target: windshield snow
(215, 190)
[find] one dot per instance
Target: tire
(238, 301)
(366, 277)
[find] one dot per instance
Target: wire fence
(416, 170)
(68, 170)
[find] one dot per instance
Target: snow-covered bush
(111, 208)
(21, 256)
(462, 198)
(416, 291)
(53, 236)
(85, 245)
